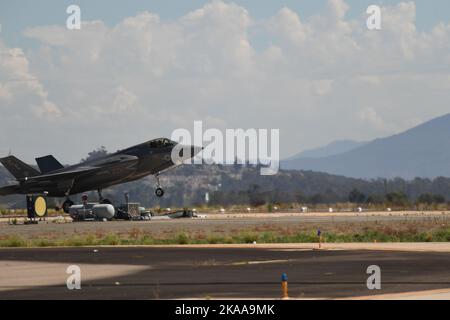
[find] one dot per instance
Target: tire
(66, 205)
(159, 192)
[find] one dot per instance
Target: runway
(215, 272)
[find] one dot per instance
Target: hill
(423, 151)
(243, 185)
(333, 148)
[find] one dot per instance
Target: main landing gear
(159, 192)
(101, 199)
(68, 203)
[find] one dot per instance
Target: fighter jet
(55, 180)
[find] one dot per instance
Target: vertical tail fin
(48, 164)
(18, 168)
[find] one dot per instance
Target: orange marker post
(284, 287)
(319, 234)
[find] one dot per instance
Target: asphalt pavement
(189, 272)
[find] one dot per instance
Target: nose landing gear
(159, 192)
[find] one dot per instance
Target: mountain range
(423, 151)
(342, 166)
(331, 149)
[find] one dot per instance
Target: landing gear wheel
(159, 192)
(106, 201)
(66, 205)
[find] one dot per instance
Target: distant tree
(255, 196)
(425, 198)
(439, 199)
(375, 199)
(397, 198)
(317, 199)
(95, 154)
(356, 196)
(217, 198)
(299, 197)
(428, 198)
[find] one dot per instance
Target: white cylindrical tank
(103, 211)
(76, 209)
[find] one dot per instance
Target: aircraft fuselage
(123, 166)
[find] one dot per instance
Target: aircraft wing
(5, 191)
(65, 175)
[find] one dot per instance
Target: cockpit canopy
(161, 143)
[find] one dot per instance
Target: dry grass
(434, 230)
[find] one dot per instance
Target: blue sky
(317, 80)
(16, 16)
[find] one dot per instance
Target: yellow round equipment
(40, 206)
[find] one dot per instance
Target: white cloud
(369, 116)
(144, 77)
(124, 101)
(5, 93)
(21, 93)
(287, 25)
